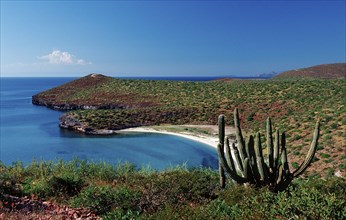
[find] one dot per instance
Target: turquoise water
(29, 132)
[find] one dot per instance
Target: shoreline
(205, 139)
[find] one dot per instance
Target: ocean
(29, 132)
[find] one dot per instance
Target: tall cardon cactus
(245, 163)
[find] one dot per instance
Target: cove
(29, 132)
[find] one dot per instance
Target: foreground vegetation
(123, 192)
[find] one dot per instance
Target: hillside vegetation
(326, 71)
(293, 104)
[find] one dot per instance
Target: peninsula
(98, 104)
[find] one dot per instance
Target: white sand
(205, 139)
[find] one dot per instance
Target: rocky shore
(72, 123)
(42, 101)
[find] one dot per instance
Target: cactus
(245, 163)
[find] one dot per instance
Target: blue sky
(171, 38)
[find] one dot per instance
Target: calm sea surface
(29, 132)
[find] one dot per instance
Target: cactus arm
(251, 150)
(260, 169)
(280, 175)
(251, 171)
(232, 173)
(255, 178)
(221, 153)
(276, 153)
(259, 157)
(284, 160)
(258, 153)
(247, 169)
(285, 176)
(240, 139)
(311, 153)
(237, 160)
(222, 176)
(270, 144)
(258, 146)
(247, 148)
(221, 123)
(229, 158)
(282, 182)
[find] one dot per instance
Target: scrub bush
(103, 199)
(65, 185)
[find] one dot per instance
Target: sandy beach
(210, 140)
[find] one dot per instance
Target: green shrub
(328, 161)
(120, 214)
(334, 125)
(39, 170)
(328, 118)
(124, 171)
(101, 171)
(342, 166)
(296, 137)
(250, 117)
(178, 186)
(36, 187)
(66, 184)
(343, 121)
(327, 137)
(295, 165)
(9, 184)
(102, 199)
(330, 172)
(333, 185)
(324, 155)
(237, 194)
(315, 198)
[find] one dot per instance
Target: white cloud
(59, 57)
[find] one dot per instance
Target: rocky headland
(59, 98)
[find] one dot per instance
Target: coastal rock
(68, 121)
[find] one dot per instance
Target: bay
(29, 132)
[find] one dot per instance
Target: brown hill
(328, 71)
(59, 98)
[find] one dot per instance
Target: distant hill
(224, 80)
(327, 71)
(268, 75)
